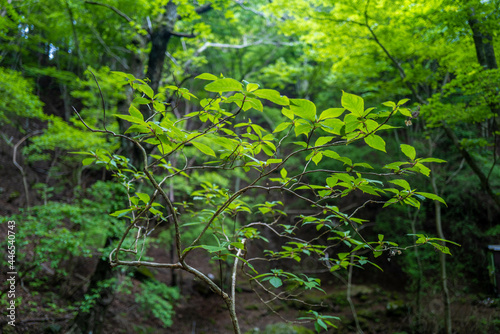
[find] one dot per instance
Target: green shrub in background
(18, 103)
(47, 235)
(158, 299)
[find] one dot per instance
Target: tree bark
(485, 184)
(159, 41)
(442, 259)
(483, 43)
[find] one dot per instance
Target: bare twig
(21, 169)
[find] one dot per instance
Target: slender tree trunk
(442, 259)
(159, 41)
(349, 299)
(419, 278)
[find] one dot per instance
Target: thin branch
(233, 280)
(102, 100)
(402, 73)
(494, 151)
(21, 169)
(180, 34)
(256, 12)
(99, 38)
(113, 8)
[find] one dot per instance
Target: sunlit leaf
(353, 103)
(409, 151)
(375, 142)
(224, 85)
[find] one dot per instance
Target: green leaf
(146, 90)
(254, 103)
(405, 112)
(322, 324)
(144, 197)
(83, 153)
(131, 119)
(353, 103)
(431, 160)
(303, 108)
(331, 113)
(323, 140)
(283, 173)
(403, 101)
(206, 76)
(302, 128)
(431, 196)
(409, 151)
(158, 106)
(155, 211)
(272, 95)
(141, 100)
(317, 158)
(224, 85)
(213, 249)
(332, 125)
(282, 126)
(134, 112)
(422, 169)
(276, 282)
(331, 154)
(402, 183)
(125, 75)
(375, 142)
(287, 113)
(252, 86)
(120, 213)
(441, 248)
(365, 165)
(238, 245)
(204, 148)
(88, 161)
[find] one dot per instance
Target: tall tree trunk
(159, 41)
(483, 43)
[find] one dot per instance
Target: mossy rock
(252, 307)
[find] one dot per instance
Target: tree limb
(113, 8)
(200, 10)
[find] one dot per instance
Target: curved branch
(402, 73)
(21, 169)
(113, 8)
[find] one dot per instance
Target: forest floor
(381, 308)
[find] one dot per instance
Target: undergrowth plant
(271, 169)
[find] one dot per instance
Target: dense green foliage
(255, 134)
